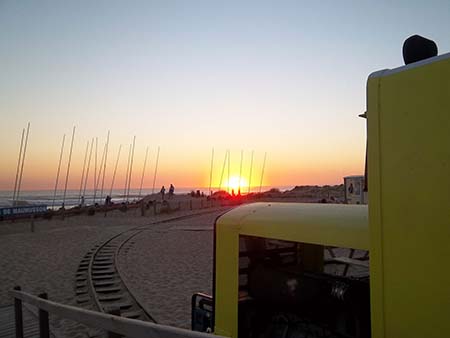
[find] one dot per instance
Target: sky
(286, 78)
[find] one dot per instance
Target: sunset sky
(283, 77)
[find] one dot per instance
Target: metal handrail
(111, 323)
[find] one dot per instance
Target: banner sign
(23, 210)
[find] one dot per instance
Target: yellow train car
(272, 275)
(264, 229)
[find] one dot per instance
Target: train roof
(339, 225)
(387, 72)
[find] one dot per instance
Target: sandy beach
(168, 263)
(162, 266)
(47, 259)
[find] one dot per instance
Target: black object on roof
(417, 48)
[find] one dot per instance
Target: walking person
(163, 191)
(171, 190)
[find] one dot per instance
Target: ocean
(45, 197)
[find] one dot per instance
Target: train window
(302, 288)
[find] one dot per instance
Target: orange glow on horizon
(235, 183)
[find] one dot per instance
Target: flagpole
(229, 156)
(99, 174)
(143, 172)
(115, 169)
(131, 168)
(82, 174)
(104, 166)
(88, 167)
(18, 166)
(68, 166)
(156, 170)
(211, 171)
(250, 174)
(223, 169)
(23, 162)
(95, 170)
(240, 172)
(57, 172)
(126, 176)
(262, 172)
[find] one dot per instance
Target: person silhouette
(163, 191)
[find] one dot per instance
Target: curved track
(99, 284)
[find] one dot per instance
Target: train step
(102, 272)
(108, 298)
(132, 314)
(107, 289)
(106, 282)
(103, 277)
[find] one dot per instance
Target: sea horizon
(49, 198)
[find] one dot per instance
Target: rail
(116, 326)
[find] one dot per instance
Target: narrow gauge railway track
(98, 283)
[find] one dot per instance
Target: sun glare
(233, 183)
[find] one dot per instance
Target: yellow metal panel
(409, 205)
(326, 224)
(227, 282)
(376, 259)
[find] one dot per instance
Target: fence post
(18, 315)
(116, 312)
(44, 330)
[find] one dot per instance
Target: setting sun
(233, 183)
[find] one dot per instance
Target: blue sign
(23, 210)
